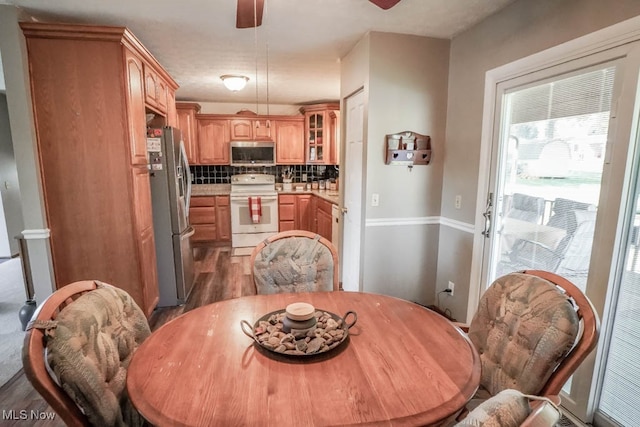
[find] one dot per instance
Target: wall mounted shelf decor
(407, 149)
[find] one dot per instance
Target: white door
(353, 192)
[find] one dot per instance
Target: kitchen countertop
(210, 189)
(330, 196)
(225, 190)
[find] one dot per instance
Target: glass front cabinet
(321, 145)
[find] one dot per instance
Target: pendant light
(268, 122)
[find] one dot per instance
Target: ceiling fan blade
(245, 15)
(385, 4)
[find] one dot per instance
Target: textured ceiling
(197, 42)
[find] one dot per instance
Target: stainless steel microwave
(253, 153)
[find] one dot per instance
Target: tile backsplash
(221, 174)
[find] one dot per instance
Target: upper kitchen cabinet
(186, 122)
(172, 112)
(254, 129)
(320, 141)
(159, 94)
(290, 141)
(334, 132)
(213, 140)
(90, 105)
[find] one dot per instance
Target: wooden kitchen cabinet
(186, 112)
(323, 218)
(210, 217)
(252, 129)
(334, 132)
(202, 217)
(319, 140)
(172, 113)
(155, 89)
(304, 215)
(223, 218)
(135, 106)
(286, 212)
(89, 105)
(290, 141)
(295, 212)
(216, 131)
(213, 140)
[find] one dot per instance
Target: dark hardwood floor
(219, 276)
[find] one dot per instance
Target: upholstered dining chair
(294, 261)
(532, 330)
(511, 408)
(77, 349)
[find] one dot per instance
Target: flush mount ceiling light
(234, 82)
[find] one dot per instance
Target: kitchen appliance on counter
(254, 209)
(170, 197)
(253, 153)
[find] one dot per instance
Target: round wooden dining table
(401, 364)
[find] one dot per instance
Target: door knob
(344, 210)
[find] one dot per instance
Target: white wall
(2, 85)
(15, 65)
(405, 80)
(521, 29)
(11, 224)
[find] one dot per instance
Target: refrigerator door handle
(187, 175)
(190, 232)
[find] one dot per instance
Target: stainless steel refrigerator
(170, 195)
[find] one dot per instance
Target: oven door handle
(246, 198)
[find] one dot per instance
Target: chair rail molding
(35, 234)
(420, 220)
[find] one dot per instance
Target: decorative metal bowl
(329, 332)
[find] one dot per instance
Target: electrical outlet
(458, 201)
(375, 199)
(450, 286)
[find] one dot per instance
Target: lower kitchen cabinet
(295, 212)
(305, 212)
(223, 218)
(323, 219)
(210, 217)
(286, 212)
(304, 215)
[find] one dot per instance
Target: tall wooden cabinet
(89, 100)
(321, 140)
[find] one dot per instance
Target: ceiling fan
(249, 12)
(385, 4)
(245, 16)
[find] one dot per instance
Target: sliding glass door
(552, 152)
(559, 186)
(619, 392)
